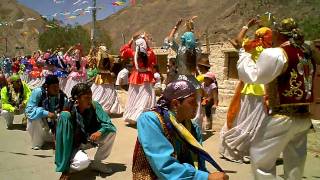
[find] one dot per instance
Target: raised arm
(175, 29)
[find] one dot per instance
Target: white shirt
(157, 77)
(123, 77)
(269, 66)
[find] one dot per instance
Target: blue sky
(48, 7)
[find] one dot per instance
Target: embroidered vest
(141, 168)
(294, 86)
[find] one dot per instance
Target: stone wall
(220, 55)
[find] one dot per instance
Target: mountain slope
(222, 19)
(19, 34)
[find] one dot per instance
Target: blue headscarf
(188, 39)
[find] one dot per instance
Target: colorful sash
(188, 138)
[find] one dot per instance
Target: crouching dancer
(169, 144)
(84, 123)
(44, 104)
(14, 98)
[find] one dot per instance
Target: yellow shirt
(253, 89)
(200, 78)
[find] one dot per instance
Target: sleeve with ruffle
(126, 51)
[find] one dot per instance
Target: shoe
(36, 148)
(246, 159)
(100, 167)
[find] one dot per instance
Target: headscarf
(263, 37)
(141, 45)
(179, 89)
(188, 39)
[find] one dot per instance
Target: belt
(291, 110)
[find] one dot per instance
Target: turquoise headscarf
(188, 39)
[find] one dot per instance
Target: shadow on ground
(20, 127)
(90, 174)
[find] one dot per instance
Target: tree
(63, 36)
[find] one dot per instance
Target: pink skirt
(140, 98)
(107, 96)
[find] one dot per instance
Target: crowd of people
(69, 99)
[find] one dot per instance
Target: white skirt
(140, 98)
(35, 83)
(25, 77)
(107, 96)
(67, 84)
(235, 142)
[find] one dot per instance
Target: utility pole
(94, 18)
(6, 39)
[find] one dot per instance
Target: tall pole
(93, 30)
(6, 44)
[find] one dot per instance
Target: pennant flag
(89, 8)
(20, 20)
(49, 26)
(72, 17)
(133, 2)
(76, 2)
(119, 3)
(57, 2)
(77, 10)
(31, 19)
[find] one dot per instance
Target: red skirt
(141, 77)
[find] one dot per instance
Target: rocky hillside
(19, 34)
(222, 19)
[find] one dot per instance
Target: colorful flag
(119, 3)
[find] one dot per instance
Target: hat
(287, 27)
(178, 89)
(210, 75)
(204, 60)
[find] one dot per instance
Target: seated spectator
(14, 98)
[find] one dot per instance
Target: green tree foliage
(63, 36)
(66, 36)
(311, 28)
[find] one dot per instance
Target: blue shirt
(33, 111)
(158, 150)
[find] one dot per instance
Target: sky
(49, 8)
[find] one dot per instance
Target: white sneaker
(98, 166)
(36, 148)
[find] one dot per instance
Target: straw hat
(204, 60)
